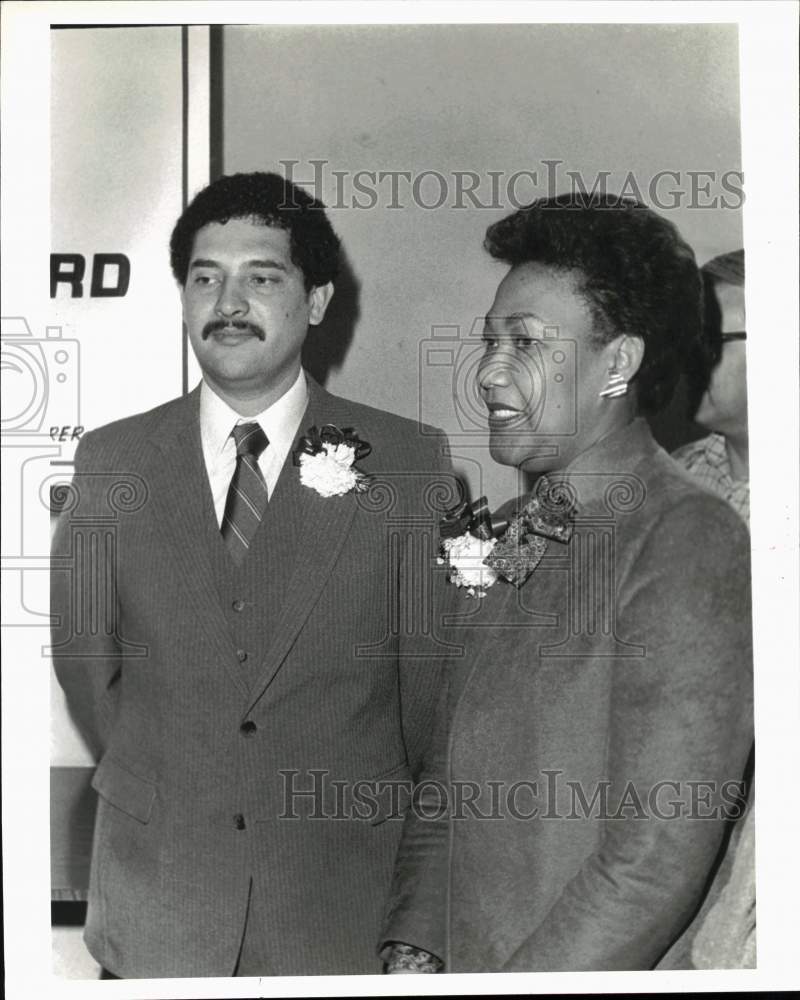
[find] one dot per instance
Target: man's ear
(628, 356)
(318, 299)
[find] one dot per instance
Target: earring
(616, 385)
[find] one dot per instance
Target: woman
(590, 743)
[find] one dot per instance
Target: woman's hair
(268, 199)
(636, 273)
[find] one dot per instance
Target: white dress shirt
(279, 422)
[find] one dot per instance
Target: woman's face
(541, 375)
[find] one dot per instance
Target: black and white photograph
(381, 591)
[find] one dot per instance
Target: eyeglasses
(736, 335)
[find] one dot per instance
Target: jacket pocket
(124, 790)
(389, 794)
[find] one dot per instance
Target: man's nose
(232, 301)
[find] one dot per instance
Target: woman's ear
(628, 356)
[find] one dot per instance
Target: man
(239, 666)
(724, 933)
(720, 460)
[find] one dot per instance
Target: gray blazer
(607, 703)
(199, 748)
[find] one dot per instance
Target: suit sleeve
(423, 646)
(416, 910)
(86, 655)
(680, 731)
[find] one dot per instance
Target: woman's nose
(494, 372)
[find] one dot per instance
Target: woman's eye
(520, 342)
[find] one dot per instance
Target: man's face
(246, 308)
(541, 374)
(723, 407)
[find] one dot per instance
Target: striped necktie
(247, 494)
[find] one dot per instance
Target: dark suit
(623, 662)
(211, 692)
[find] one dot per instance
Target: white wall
(116, 186)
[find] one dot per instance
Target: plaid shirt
(707, 461)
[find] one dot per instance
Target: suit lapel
(321, 526)
(181, 502)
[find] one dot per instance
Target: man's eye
(259, 280)
(523, 342)
(203, 279)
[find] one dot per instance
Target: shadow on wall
(327, 345)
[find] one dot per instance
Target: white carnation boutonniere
(326, 457)
(465, 557)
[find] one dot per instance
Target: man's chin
(233, 380)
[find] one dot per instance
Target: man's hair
(727, 267)
(636, 273)
(268, 199)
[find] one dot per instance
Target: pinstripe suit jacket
(199, 759)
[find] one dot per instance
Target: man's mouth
(232, 333)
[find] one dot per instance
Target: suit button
(238, 821)
(238, 604)
(241, 655)
(248, 728)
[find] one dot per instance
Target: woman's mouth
(504, 415)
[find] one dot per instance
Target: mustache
(215, 325)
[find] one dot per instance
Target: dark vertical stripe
(184, 181)
(185, 114)
(216, 132)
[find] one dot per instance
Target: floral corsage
(327, 456)
(466, 560)
(479, 548)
